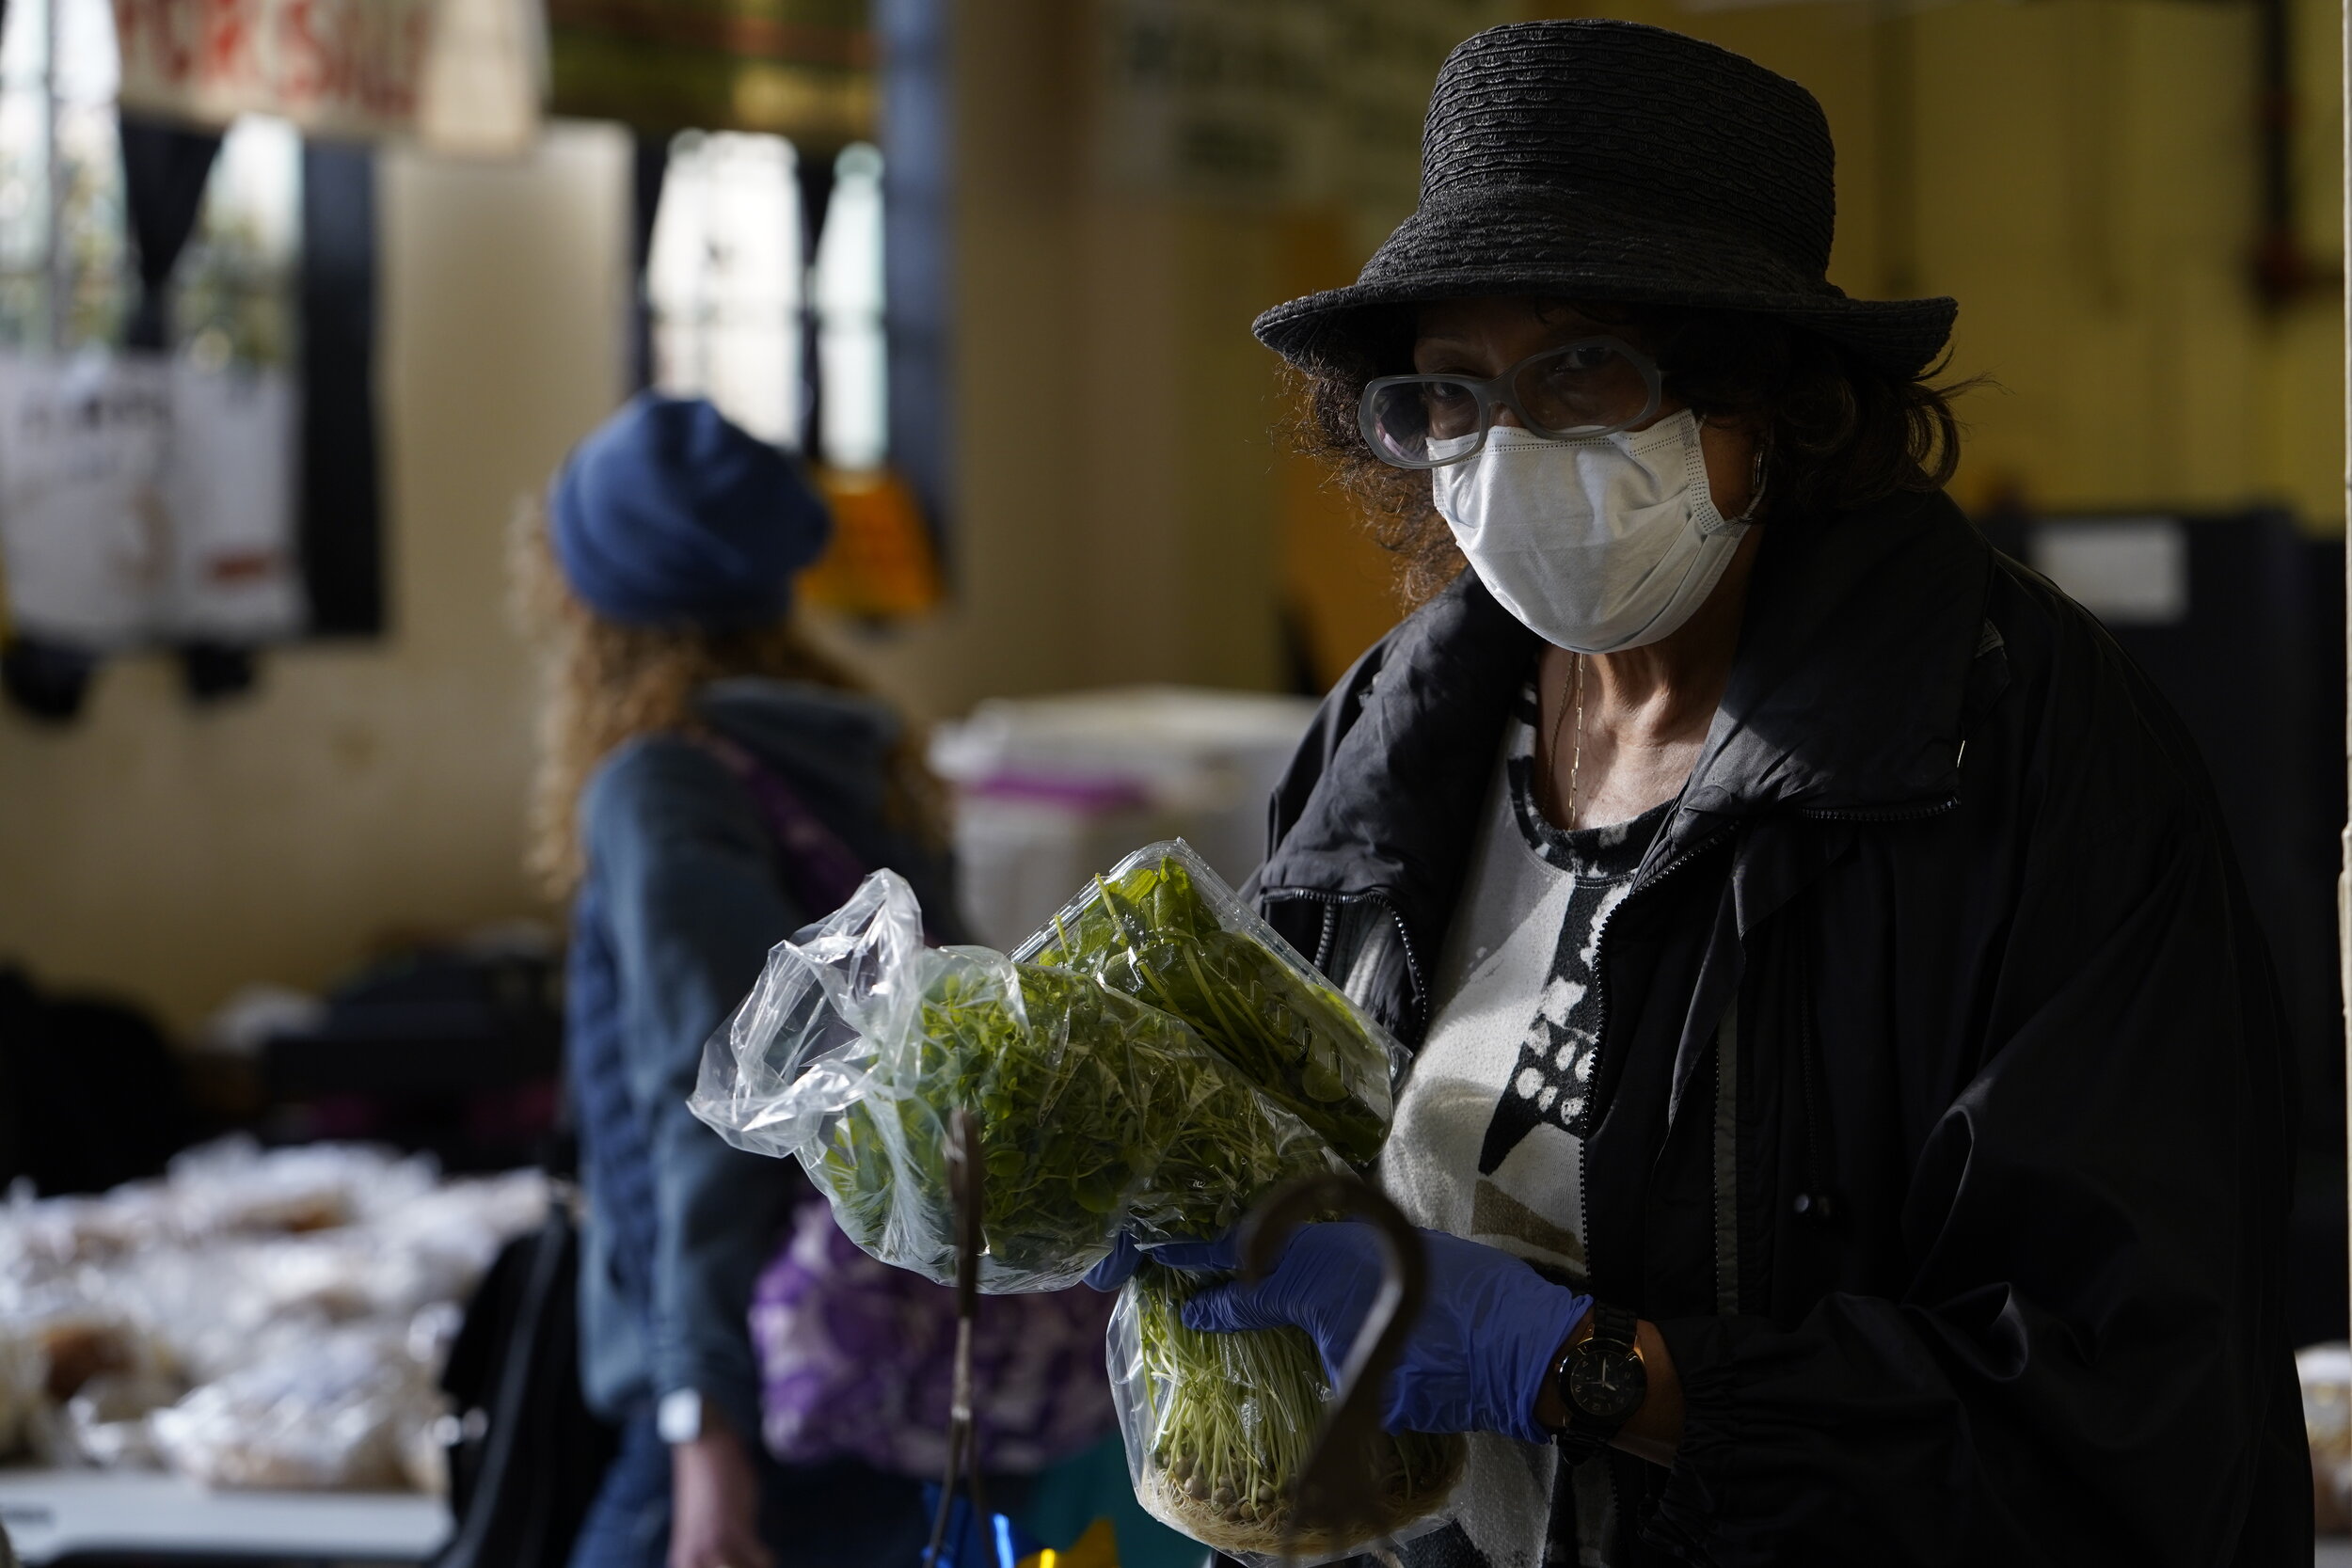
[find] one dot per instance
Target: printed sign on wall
(462, 74)
(144, 499)
(339, 67)
(1277, 101)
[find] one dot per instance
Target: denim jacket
(681, 902)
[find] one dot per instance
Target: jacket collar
(1854, 660)
(1398, 797)
(1846, 698)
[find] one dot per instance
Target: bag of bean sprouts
(1102, 1112)
(1099, 1114)
(1163, 927)
(1217, 1424)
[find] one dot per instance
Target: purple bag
(857, 1358)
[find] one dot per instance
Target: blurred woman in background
(709, 783)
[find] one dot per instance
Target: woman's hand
(1118, 1267)
(714, 1504)
(1478, 1357)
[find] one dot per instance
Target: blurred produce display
(266, 1319)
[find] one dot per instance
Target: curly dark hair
(1840, 431)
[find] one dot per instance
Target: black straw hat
(1611, 160)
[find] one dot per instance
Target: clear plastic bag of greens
(1163, 927)
(1098, 1114)
(1218, 1425)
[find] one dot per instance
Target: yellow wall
(1116, 517)
(2089, 182)
(173, 853)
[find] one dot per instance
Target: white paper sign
(1277, 101)
(229, 492)
(81, 449)
(143, 499)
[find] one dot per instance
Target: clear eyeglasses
(1592, 386)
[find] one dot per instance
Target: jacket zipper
(1413, 972)
(1889, 813)
(1600, 980)
(1584, 1141)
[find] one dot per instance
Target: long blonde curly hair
(604, 683)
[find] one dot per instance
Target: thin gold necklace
(1576, 750)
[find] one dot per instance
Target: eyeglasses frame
(1498, 389)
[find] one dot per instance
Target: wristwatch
(1602, 1381)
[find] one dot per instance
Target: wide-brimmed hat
(1611, 160)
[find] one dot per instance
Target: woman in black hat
(1849, 1103)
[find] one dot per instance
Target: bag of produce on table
(1101, 1112)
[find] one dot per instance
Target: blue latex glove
(1117, 1269)
(1487, 1336)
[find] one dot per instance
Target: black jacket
(1979, 1259)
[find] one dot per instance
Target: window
(145, 496)
(62, 252)
(63, 219)
(723, 277)
(854, 408)
(733, 304)
(235, 293)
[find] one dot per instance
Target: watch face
(1608, 1383)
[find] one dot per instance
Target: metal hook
(1333, 1490)
(966, 1189)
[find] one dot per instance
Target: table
(56, 1515)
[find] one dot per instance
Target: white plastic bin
(1050, 790)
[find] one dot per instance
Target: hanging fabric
(165, 169)
(164, 172)
(341, 510)
(649, 167)
(46, 680)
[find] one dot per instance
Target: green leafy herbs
(1228, 1418)
(1158, 1068)
(1151, 932)
(1098, 1114)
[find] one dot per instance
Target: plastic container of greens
(1163, 927)
(1098, 1115)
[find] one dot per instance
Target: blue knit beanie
(668, 514)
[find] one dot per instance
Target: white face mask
(1595, 544)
